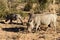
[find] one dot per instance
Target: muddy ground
(17, 32)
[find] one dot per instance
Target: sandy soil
(16, 32)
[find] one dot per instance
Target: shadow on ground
(2, 22)
(16, 23)
(11, 23)
(14, 29)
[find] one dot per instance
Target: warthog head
(30, 22)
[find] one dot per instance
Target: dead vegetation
(18, 32)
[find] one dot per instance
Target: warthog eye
(30, 21)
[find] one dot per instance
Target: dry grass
(9, 34)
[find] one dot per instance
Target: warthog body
(12, 17)
(36, 20)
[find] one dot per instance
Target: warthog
(12, 17)
(35, 20)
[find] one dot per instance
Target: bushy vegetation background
(19, 6)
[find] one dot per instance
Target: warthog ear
(31, 16)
